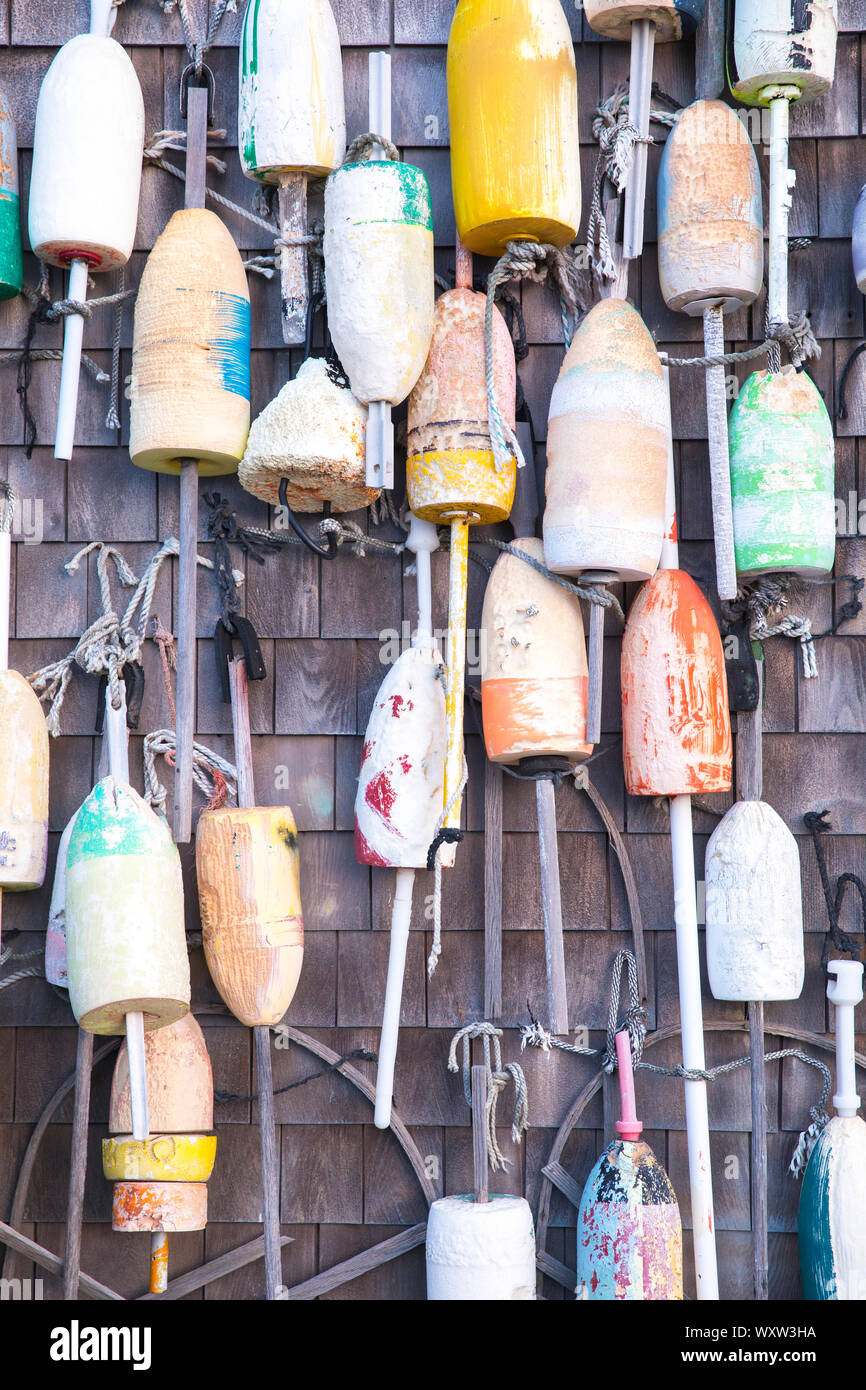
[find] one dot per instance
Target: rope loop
(498, 1077)
(362, 148)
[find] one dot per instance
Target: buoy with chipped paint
(858, 241)
(399, 798)
(644, 23)
(250, 900)
(711, 258)
(312, 434)
(782, 476)
(160, 1182)
(754, 912)
(452, 476)
(512, 108)
(11, 256)
(86, 177)
(629, 1233)
(55, 933)
(378, 248)
(125, 937)
(190, 387)
(291, 122)
(832, 1214)
(607, 446)
(781, 51)
(480, 1250)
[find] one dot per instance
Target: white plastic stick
(292, 196)
(102, 17)
(70, 371)
(720, 470)
(423, 539)
(781, 183)
(137, 1075)
(5, 595)
(380, 430)
(845, 990)
(116, 735)
(401, 917)
(643, 38)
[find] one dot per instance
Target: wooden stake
(710, 52)
(380, 430)
(492, 891)
(194, 197)
(643, 38)
(595, 654)
(479, 1134)
(292, 198)
(77, 1166)
(551, 900)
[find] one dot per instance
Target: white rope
(498, 1077)
(163, 743)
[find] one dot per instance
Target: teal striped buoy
(782, 476)
(11, 267)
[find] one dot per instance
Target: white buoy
(480, 1251)
(86, 177)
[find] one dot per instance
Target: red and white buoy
(86, 177)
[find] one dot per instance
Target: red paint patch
(380, 794)
(364, 852)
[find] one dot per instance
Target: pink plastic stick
(629, 1127)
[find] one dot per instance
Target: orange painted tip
(525, 717)
(676, 725)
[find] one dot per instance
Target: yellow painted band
(459, 480)
(160, 1157)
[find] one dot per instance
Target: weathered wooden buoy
(754, 912)
(512, 110)
(313, 435)
(534, 673)
(249, 892)
(160, 1181)
(55, 933)
(858, 241)
(190, 387)
(480, 1250)
(23, 784)
(607, 448)
(378, 248)
(291, 122)
(832, 1215)
(399, 798)
(711, 257)
(86, 176)
(11, 261)
(782, 476)
(644, 22)
(125, 938)
(629, 1233)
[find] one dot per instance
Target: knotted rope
(152, 155)
(524, 260)
(198, 49)
(837, 941)
(362, 148)
(498, 1077)
(757, 602)
(214, 776)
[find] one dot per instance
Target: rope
(498, 1077)
(757, 602)
(525, 260)
(198, 50)
(434, 860)
(206, 766)
(7, 492)
(361, 1054)
(837, 940)
(602, 596)
(362, 148)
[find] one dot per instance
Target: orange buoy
(160, 1182)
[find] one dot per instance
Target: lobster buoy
(480, 1250)
(534, 671)
(249, 893)
(160, 1182)
(832, 1214)
(781, 43)
(56, 972)
(782, 476)
(190, 387)
(450, 467)
(673, 19)
(512, 110)
(313, 435)
(23, 784)
(858, 241)
(291, 114)
(676, 729)
(607, 449)
(378, 249)
(125, 937)
(754, 912)
(11, 260)
(710, 222)
(629, 1232)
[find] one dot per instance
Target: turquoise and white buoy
(832, 1216)
(11, 267)
(782, 476)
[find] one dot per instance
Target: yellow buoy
(512, 109)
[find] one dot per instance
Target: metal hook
(224, 638)
(327, 552)
(189, 78)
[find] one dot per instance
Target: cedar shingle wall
(345, 1186)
